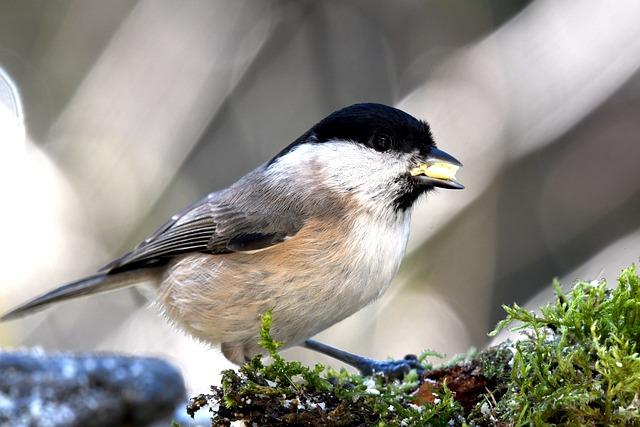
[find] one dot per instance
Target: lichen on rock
(86, 389)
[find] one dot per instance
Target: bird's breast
(374, 248)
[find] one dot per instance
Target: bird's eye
(381, 142)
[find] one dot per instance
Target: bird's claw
(391, 369)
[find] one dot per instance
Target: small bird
(313, 235)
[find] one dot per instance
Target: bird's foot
(389, 368)
(397, 368)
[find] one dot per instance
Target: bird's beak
(438, 169)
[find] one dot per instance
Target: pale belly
(308, 286)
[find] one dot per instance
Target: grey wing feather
(209, 226)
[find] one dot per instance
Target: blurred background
(129, 110)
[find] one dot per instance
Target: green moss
(577, 364)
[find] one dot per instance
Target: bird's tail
(89, 285)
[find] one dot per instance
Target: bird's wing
(210, 227)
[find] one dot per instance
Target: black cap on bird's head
(378, 126)
(374, 125)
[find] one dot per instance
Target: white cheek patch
(347, 167)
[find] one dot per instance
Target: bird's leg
(366, 366)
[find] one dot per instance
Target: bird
(312, 236)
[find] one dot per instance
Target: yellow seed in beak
(436, 170)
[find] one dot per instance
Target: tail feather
(89, 285)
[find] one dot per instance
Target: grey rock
(37, 389)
